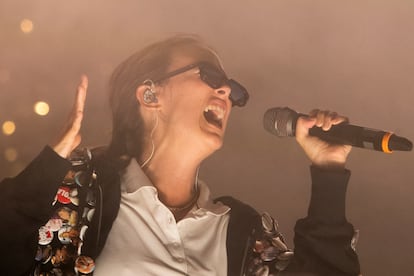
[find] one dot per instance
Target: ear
(147, 96)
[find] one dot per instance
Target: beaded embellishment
(268, 254)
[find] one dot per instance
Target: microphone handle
(362, 137)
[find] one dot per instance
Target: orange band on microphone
(384, 143)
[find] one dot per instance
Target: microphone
(281, 121)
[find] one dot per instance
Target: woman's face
(193, 113)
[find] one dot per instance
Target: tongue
(212, 118)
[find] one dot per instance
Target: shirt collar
(133, 179)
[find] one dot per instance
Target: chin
(213, 137)
(216, 143)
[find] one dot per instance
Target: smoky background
(353, 57)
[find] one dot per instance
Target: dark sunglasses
(215, 78)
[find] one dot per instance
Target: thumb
(303, 125)
(76, 141)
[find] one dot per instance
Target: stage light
(41, 108)
(26, 26)
(10, 154)
(8, 127)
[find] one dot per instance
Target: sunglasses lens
(216, 79)
(212, 77)
(238, 95)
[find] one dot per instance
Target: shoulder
(101, 160)
(237, 206)
(105, 168)
(242, 215)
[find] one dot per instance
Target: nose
(224, 91)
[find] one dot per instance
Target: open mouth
(214, 115)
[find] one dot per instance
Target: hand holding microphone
(335, 131)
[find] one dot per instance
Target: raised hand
(321, 153)
(70, 136)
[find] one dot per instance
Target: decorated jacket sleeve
(26, 205)
(325, 240)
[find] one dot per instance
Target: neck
(173, 166)
(174, 179)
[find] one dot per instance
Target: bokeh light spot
(26, 26)
(10, 154)
(41, 108)
(8, 127)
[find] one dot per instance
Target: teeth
(218, 111)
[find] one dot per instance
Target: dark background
(354, 57)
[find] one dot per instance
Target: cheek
(183, 110)
(190, 99)
(186, 99)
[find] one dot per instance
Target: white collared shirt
(146, 240)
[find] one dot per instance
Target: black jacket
(322, 239)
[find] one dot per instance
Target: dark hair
(152, 62)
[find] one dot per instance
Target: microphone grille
(280, 121)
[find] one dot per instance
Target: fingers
(325, 118)
(70, 137)
(320, 152)
(79, 105)
(81, 94)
